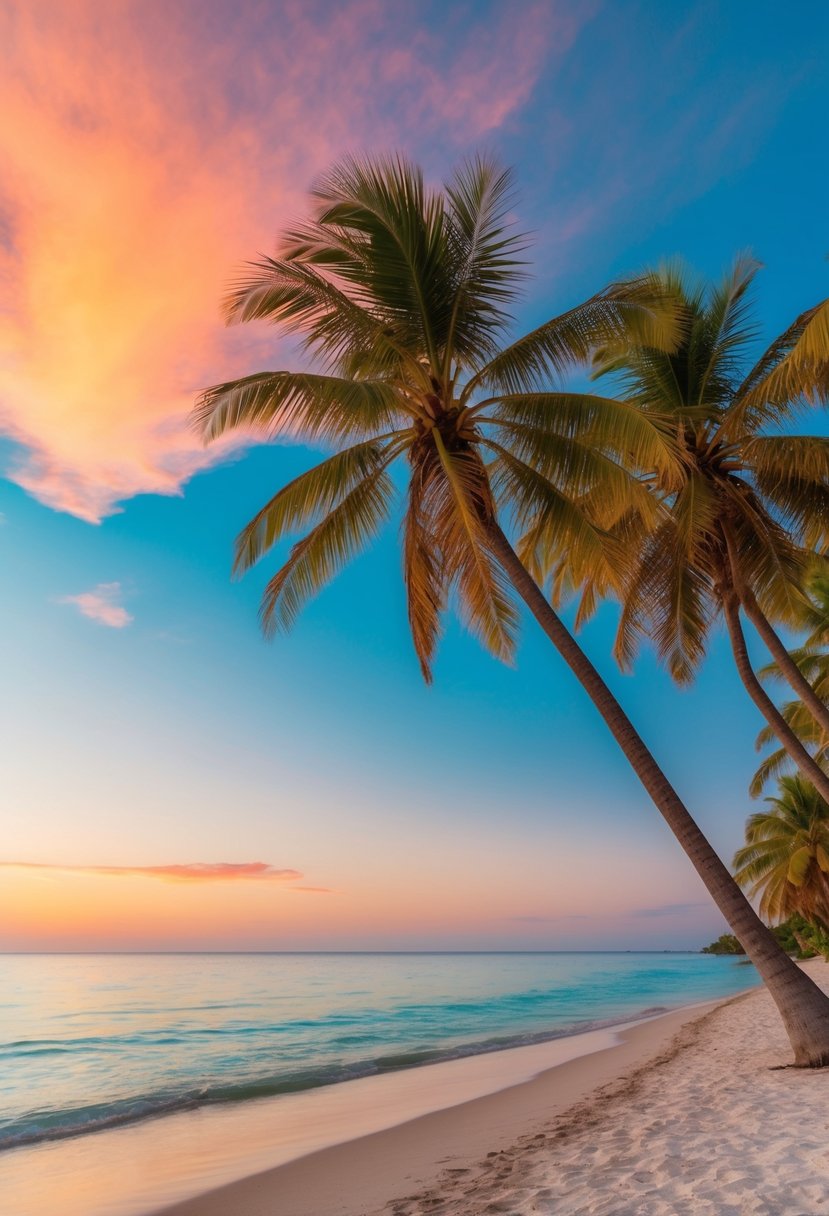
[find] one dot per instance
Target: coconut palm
(402, 295)
(785, 860)
(739, 527)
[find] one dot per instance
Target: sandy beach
(690, 1113)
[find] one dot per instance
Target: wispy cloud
(102, 604)
(197, 871)
(124, 211)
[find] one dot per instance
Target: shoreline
(186, 1162)
(695, 1113)
(365, 1171)
(173, 1107)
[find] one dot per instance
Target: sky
(171, 780)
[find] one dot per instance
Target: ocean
(89, 1042)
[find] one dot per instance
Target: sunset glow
(329, 799)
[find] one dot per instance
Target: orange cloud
(197, 871)
(147, 149)
(101, 605)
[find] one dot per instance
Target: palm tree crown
(785, 859)
(749, 505)
(402, 294)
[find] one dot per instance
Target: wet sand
(692, 1114)
(443, 1149)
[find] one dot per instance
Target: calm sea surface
(92, 1041)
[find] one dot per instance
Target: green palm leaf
(793, 372)
(485, 254)
(460, 504)
(320, 555)
(309, 496)
(634, 312)
(786, 847)
(423, 571)
(300, 405)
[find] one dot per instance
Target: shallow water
(92, 1041)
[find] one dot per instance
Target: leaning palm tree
(785, 860)
(740, 525)
(402, 294)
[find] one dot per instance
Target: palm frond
(771, 767)
(390, 232)
(320, 555)
(644, 441)
(312, 494)
(423, 571)
(791, 373)
(459, 505)
(301, 405)
(668, 599)
(792, 472)
(781, 861)
(637, 312)
(485, 254)
(335, 325)
(580, 469)
(551, 522)
(726, 330)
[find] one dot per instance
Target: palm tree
(741, 522)
(785, 860)
(402, 294)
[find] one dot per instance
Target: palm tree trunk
(811, 771)
(803, 1007)
(788, 668)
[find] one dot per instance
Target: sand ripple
(713, 1127)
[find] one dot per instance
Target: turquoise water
(91, 1041)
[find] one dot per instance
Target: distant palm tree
(785, 859)
(403, 292)
(742, 519)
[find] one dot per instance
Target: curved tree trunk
(788, 668)
(803, 1007)
(811, 771)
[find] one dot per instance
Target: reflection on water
(88, 1042)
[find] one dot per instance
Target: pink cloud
(148, 148)
(197, 871)
(101, 605)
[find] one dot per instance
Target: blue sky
(490, 809)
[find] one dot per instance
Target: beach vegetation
(402, 296)
(726, 943)
(785, 860)
(802, 939)
(796, 935)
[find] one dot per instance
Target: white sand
(713, 1128)
(692, 1117)
(144, 1167)
(689, 1114)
